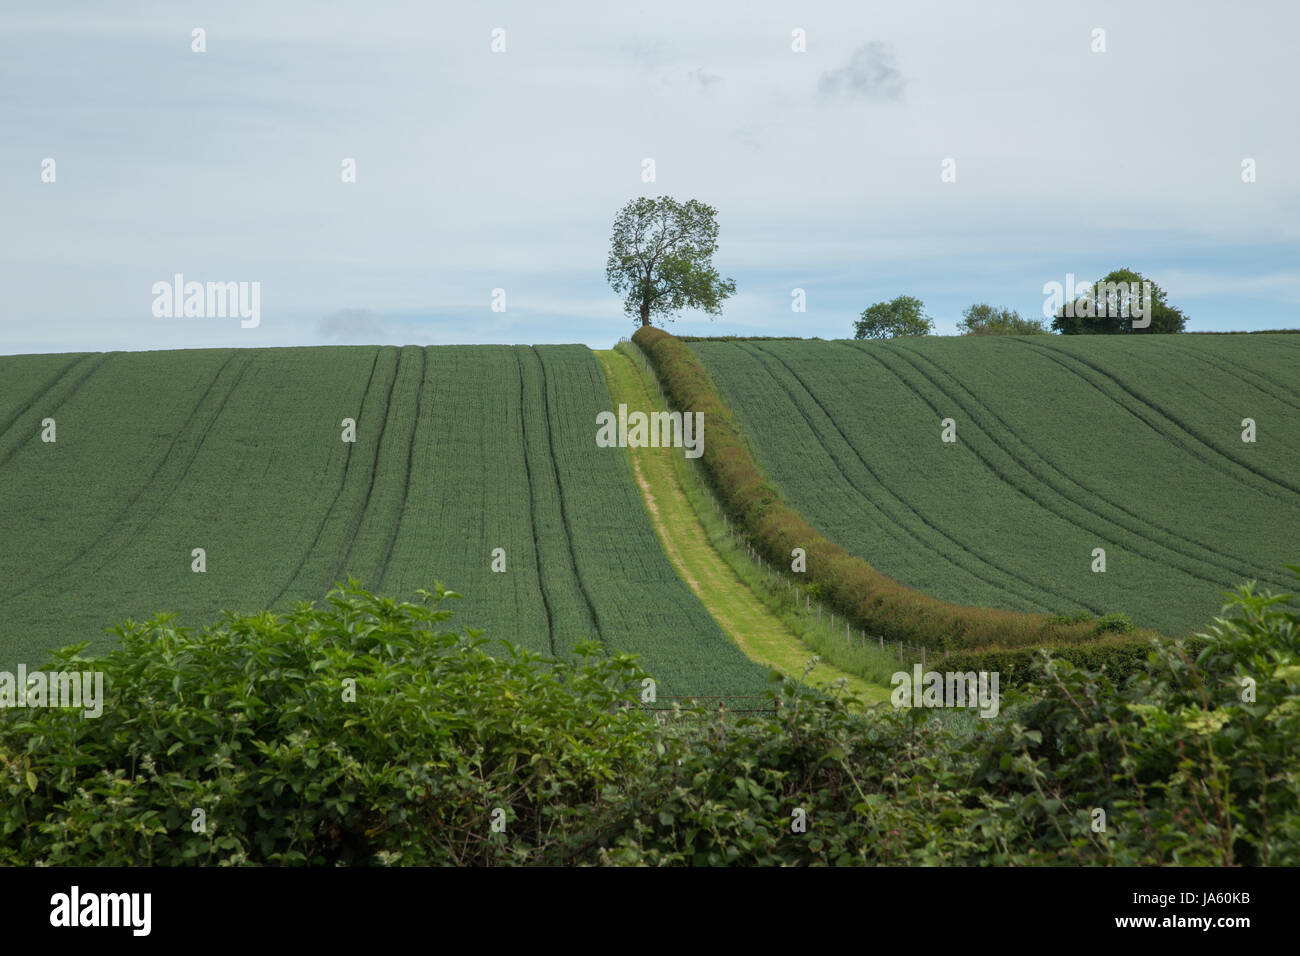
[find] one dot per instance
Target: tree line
(661, 261)
(1108, 312)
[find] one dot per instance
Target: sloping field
(1133, 445)
(458, 451)
(756, 630)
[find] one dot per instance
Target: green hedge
(1117, 656)
(368, 732)
(850, 586)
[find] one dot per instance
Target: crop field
(458, 451)
(1063, 445)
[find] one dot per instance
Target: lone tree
(984, 319)
(1108, 308)
(661, 256)
(887, 320)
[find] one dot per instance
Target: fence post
(882, 642)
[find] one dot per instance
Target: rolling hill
(1063, 445)
(458, 451)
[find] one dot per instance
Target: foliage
(886, 320)
(1108, 311)
(1116, 655)
(661, 259)
(1196, 757)
(249, 722)
(1190, 761)
(984, 319)
(1116, 623)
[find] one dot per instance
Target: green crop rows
(1063, 445)
(458, 451)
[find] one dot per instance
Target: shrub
(984, 319)
(247, 721)
(1189, 762)
(1116, 623)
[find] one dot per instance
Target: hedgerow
(447, 755)
(871, 600)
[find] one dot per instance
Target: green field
(458, 451)
(1131, 444)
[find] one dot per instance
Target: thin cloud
(753, 136)
(872, 74)
(705, 80)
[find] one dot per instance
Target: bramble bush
(248, 722)
(1190, 760)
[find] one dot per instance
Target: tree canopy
(661, 259)
(1107, 308)
(984, 319)
(887, 320)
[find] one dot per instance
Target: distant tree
(887, 320)
(984, 319)
(1107, 308)
(660, 257)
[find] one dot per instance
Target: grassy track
(1131, 444)
(459, 450)
(760, 633)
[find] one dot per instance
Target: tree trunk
(645, 314)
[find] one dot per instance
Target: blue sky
(479, 170)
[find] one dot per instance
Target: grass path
(762, 636)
